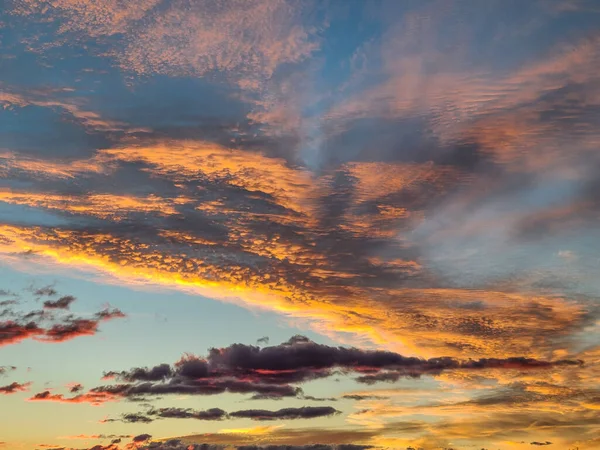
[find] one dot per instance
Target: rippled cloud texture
(412, 184)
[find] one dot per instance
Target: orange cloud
(105, 206)
(93, 398)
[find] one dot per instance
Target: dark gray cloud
(362, 397)
(198, 387)
(14, 387)
(156, 373)
(175, 444)
(62, 303)
(5, 369)
(305, 412)
(305, 447)
(186, 413)
(141, 438)
(49, 324)
(46, 291)
(263, 340)
(273, 372)
(135, 418)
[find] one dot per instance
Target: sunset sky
(297, 224)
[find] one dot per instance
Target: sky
(298, 224)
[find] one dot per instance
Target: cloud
(49, 324)
(75, 387)
(141, 438)
(135, 418)
(46, 291)
(305, 412)
(97, 436)
(186, 413)
(5, 369)
(14, 388)
(185, 386)
(12, 333)
(94, 398)
(273, 371)
(263, 340)
(363, 205)
(156, 373)
(176, 444)
(70, 328)
(277, 436)
(362, 397)
(244, 41)
(62, 303)
(419, 185)
(104, 206)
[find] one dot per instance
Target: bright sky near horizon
(298, 224)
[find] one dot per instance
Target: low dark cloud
(5, 369)
(272, 372)
(187, 386)
(305, 412)
(62, 303)
(46, 291)
(14, 332)
(362, 397)
(8, 302)
(318, 399)
(49, 324)
(156, 373)
(176, 444)
(186, 413)
(142, 438)
(135, 418)
(541, 443)
(14, 387)
(263, 340)
(300, 359)
(305, 447)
